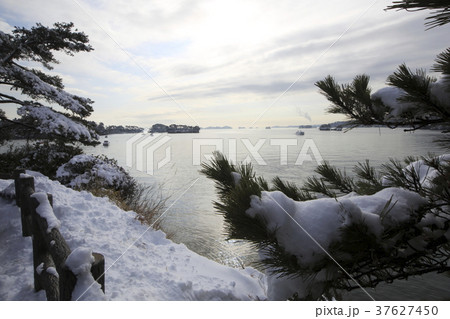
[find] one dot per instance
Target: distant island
(218, 128)
(174, 128)
(103, 129)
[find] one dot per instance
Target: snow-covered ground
(141, 263)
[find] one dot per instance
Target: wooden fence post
(50, 249)
(67, 282)
(16, 176)
(42, 256)
(24, 188)
(98, 269)
(56, 245)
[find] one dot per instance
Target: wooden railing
(50, 249)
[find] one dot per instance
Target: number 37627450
(407, 310)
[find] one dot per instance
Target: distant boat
(105, 143)
(299, 133)
(267, 127)
(325, 127)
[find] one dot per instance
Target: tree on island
(339, 232)
(46, 111)
(103, 129)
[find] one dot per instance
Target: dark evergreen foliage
(439, 16)
(367, 259)
(59, 131)
(43, 157)
(38, 44)
(355, 101)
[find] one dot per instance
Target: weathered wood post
(16, 175)
(42, 259)
(98, 269)
(50, 249)
(67, 282)
(24, 188)
(56, 246)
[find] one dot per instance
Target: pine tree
(413, 100)
(393, 242)
(361, 256)
(37, 45)
(46, 111)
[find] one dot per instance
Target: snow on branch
(52, 122)
(30, 83)
(395, 229)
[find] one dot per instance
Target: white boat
(299, 133)
(105, 143)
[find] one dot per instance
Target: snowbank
(83, 169)
(141, 264)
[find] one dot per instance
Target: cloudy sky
(226, 62)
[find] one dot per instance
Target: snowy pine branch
(39, 86)
(369, 180)
(418, 92)
(38, 44)
(353, 100)
(400, 229)
(291, 190)
(413, 99)
(60, 125)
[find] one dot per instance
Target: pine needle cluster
(366, 258)
(355, 99)
(439, 16)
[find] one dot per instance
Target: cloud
(211, 56)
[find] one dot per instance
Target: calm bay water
(192, 220)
